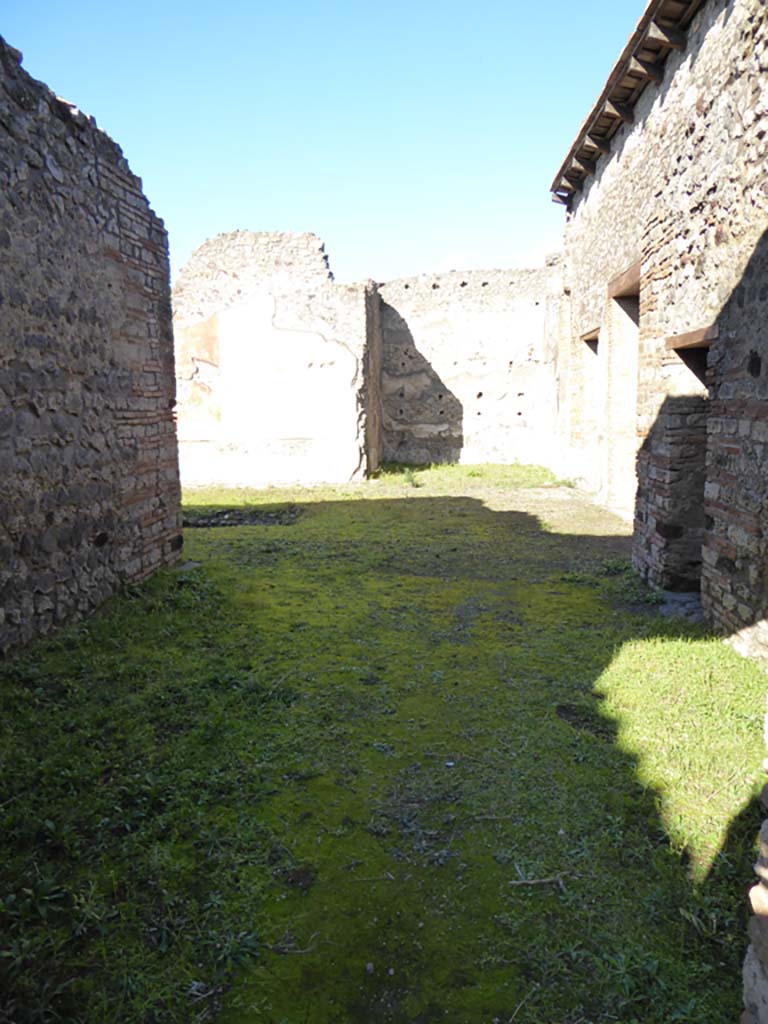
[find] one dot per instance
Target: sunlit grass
(391, 481)
(681, 712)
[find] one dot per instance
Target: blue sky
(411, 136)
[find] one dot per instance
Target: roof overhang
(661, 29)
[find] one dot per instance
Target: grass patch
(406, 757)
(617, 577)
(392, 480)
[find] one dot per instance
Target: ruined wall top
(237, 263)
(475, 286)
(30, 108)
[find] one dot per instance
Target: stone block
(755, 980)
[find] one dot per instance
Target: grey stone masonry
(667, 394)
(89, 486)
(225, 269)
(674, 221)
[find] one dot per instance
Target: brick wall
(89, 496)
(735, 549)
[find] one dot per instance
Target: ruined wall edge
(90, 495)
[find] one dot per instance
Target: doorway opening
(621, 391)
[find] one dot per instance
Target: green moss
(301, 781)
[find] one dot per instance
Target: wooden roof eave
(649, 39)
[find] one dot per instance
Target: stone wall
(671, 466)
(675, 218)
(284, 375)
(235, 264)
(469, 366)
(276, 364)
(90, 492)
(681, 198)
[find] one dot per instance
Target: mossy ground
(421, 755)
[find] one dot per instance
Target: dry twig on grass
(553, 880)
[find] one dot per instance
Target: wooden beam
(582, 164)
(645, 30)
(620, 110)
(566, 190)
(670, 37)
(600, 144)
(626, 283)
(653, 72)
(564, 200)
(701, 338)
(693, 6)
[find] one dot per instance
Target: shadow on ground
(405, 760)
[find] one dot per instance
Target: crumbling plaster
(272, 359)
(285, 375)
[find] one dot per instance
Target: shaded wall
(671, 468)
(90, 492)
(277, 364)
(673, 216)
(469, 366)
(681, 204)
(735, 547)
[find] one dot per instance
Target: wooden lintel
(701, 338)
(670, 37)
(626, 283)
(620, 110)
(653, 72)
(600, 144)
(582, 164)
